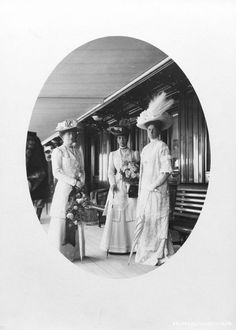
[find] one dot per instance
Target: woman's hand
(152, 188)
(78, 184)
(159, 182)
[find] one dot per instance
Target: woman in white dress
(120, 209)
(68, 169)
(154, 244)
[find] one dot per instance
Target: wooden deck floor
(96, 261)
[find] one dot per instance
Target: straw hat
(156, 111)
(66, 125)
(121, 129)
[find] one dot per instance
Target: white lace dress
(67, 167)
(120, 210)
(153, 207)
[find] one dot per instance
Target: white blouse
(68, 164)
(155, 159)
(116, 159)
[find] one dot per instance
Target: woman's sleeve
(165, 167)
(165, 160)
(137, 156)
(111, 170)
(82, 177)
(57, 168)
(140, 173)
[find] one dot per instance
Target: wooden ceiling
(87, 76)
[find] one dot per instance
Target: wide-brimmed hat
(66, 125)
(122, 129)
(156, 111)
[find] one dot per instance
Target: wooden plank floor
(96, 260)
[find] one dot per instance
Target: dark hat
(122, 129)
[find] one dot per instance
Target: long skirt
(56, 236)
(154, 242)
(56, 232)
(152, 257)
(120, 225)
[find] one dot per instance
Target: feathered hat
(156, 111)
(122, 129)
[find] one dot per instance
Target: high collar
(154, 140)
(69, 146)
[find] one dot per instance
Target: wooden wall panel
(201, 172)
(92, 164)
(193, 140)
(182, 132)
(190, 140)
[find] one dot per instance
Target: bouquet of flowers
(75, 214)
(130, 174)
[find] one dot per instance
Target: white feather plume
(159, 105)
(156, 110)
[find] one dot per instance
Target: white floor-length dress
(120, 210)
(154, 243)
(67, 166)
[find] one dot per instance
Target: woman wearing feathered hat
(151, 236)
(68, 169)
(120, 209)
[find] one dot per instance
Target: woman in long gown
(120, 209)
(154, 244)
(68, 169)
